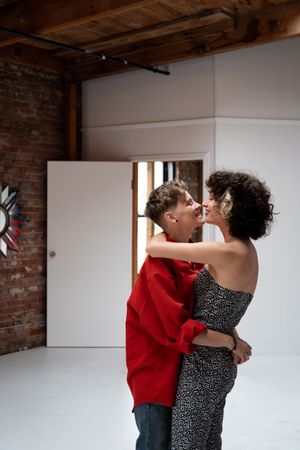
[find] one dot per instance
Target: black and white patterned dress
(208, 374)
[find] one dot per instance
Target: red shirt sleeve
(189, 330)
(165, 315)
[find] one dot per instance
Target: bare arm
(211, 338)
(214, 253)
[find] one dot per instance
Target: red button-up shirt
(159, 328)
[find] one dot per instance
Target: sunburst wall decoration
(11, 220)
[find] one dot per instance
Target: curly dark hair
(163, 198)
(244, 201)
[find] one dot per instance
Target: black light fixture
(82, 51)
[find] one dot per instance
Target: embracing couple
(182, 348)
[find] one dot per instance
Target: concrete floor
(77, 399)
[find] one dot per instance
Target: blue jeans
(154, 424)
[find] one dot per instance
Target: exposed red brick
(191, 173)
(32, 132)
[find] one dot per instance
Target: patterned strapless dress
(208, 374)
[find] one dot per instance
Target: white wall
(148, 114)
(243, 108)
(271, 151)
(257, 93)
(142, 97)
(259, 82)
(140, 115)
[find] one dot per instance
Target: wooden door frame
(207, 166)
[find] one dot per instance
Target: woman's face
(212, 211)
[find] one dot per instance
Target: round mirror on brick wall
(11, 220)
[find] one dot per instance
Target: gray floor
(77, 399)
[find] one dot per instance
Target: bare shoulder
(242, 247)
(235, 251)
(245, 254)
(225, 252)
(234, 247)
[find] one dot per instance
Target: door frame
(208, 164)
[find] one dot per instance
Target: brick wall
(32, 132)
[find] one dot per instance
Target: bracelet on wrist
(234, 343)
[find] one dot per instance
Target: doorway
(148, 175)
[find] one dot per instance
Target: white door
(89, 253)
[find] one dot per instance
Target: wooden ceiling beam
(32, 56)
(206, 4)
(159, 43)
(173, 53)
(154, 31)
(271, 24)
(40, 17)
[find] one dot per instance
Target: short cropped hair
(163, 198)
(244, 202)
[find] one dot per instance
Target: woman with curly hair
(239, 204)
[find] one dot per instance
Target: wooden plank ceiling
(148, 32)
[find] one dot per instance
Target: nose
(204, 204)
(197, 205)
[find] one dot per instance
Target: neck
(180, 235)
(226, 235)
(225, 231)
